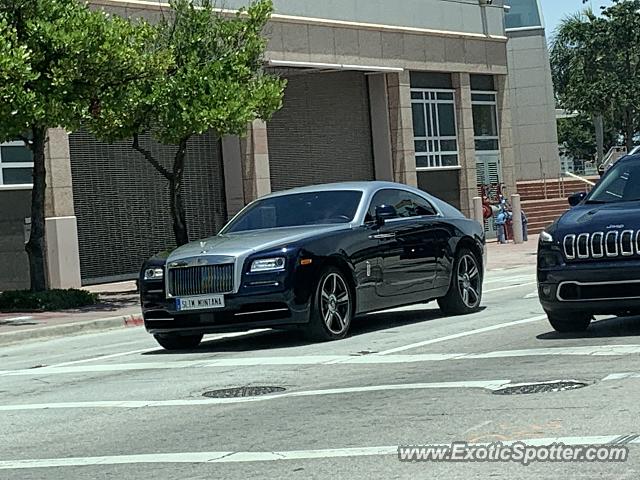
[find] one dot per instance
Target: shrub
(25, 300)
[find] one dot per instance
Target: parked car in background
(589, 259)
(313, 258)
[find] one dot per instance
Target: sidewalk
(119, 307)
(119, 303)
(501, 257)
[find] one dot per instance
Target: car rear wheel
(572, 322)
(178, 342)
(332, 308)
(465, 292)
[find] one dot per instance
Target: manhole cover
(529, 388)
(242, 392)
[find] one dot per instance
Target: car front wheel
(332, 308)
(178, 342)
(572, 322)
(465, 292)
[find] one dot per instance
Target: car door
(407, 247)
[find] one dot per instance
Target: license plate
(199, 303)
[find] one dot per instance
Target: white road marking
(533, 294)
(507, 279)
(486, 384)
(236, 457)
(463, 334)
(621, 376)
(16, 319)
(156, 348)
(323, 360)
(510, 287)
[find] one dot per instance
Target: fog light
(546, 290)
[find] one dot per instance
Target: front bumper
(241, 312)
(606, 287)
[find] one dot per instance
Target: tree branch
(149, 157)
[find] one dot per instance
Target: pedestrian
(501, 225)
(525, 227)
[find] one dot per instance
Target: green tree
(216, 82)
(595, 61)
(56, 59)
(577, 137)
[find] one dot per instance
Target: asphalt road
(113, 405)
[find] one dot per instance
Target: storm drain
(243, 392)
(547, 387)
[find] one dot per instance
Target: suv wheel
(569, 322)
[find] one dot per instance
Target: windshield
(620, 184)
(313, 208)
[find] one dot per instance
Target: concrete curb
(74, 328)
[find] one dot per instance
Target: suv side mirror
(576, 198)
(384, 213)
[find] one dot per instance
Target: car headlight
(154, 274)
(546, 237)
(268, 265)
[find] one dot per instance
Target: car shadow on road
(273, 339)
(606, 328)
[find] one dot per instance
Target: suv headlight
(546, 237)
(154, 274)
(268, 265)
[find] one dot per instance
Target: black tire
(178, 342)
(332, 307)
(570, 322)
(465, 292)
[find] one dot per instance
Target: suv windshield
(620, 184)
(313, 208)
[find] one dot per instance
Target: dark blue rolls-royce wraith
(313, 258)
(589, 259)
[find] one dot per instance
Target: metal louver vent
(121, 202)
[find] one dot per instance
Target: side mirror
(576, 198)
(384, 213)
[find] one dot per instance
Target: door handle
(382, 236)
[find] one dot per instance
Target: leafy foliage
(595, 63)
(50, 300)
(577, 136)
(215, 81)
(57, 58)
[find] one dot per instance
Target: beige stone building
(414, 91)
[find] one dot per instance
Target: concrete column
(507, 152)
(63, 257)
(516, 208)
(478, 211)
(466, 142)
(401, 127)
(256, 173)
(233, 180)
(380, 128)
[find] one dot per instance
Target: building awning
(332, 67)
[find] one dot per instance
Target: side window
(406, 204)
(383, 197)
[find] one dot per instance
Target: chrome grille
(611, 244)
(200, 280)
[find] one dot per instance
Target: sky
(555, 10)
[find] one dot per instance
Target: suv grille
(201, 280)
(611, 244)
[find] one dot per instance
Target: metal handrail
(578, 177)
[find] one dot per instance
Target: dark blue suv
(589, 259)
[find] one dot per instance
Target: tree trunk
(629, 129)
(178, 211)
(36, 245)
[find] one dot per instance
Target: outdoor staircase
(543, 205)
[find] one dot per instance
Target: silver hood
(241, 245)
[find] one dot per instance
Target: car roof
(367, 187)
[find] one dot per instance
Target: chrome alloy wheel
(335, 303)
(469, 280)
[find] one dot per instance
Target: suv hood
(588, 218)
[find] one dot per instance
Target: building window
(485, 121)
(523, 14)
(434, 128)
(16, 164)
